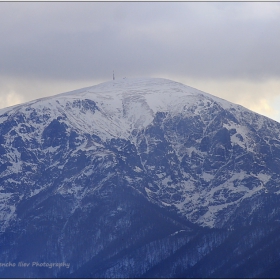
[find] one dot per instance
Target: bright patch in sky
(10, 99)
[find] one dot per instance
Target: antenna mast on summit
(113, 76)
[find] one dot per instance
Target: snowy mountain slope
(207, 161)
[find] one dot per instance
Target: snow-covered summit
(123, 105)
(159, 94)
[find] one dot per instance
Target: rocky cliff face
(139, 178)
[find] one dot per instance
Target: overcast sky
(228, 49)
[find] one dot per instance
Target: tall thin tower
(113, 76)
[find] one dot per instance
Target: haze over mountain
(139, 178)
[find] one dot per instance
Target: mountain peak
(107, 174)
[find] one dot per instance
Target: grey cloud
(74, 41)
